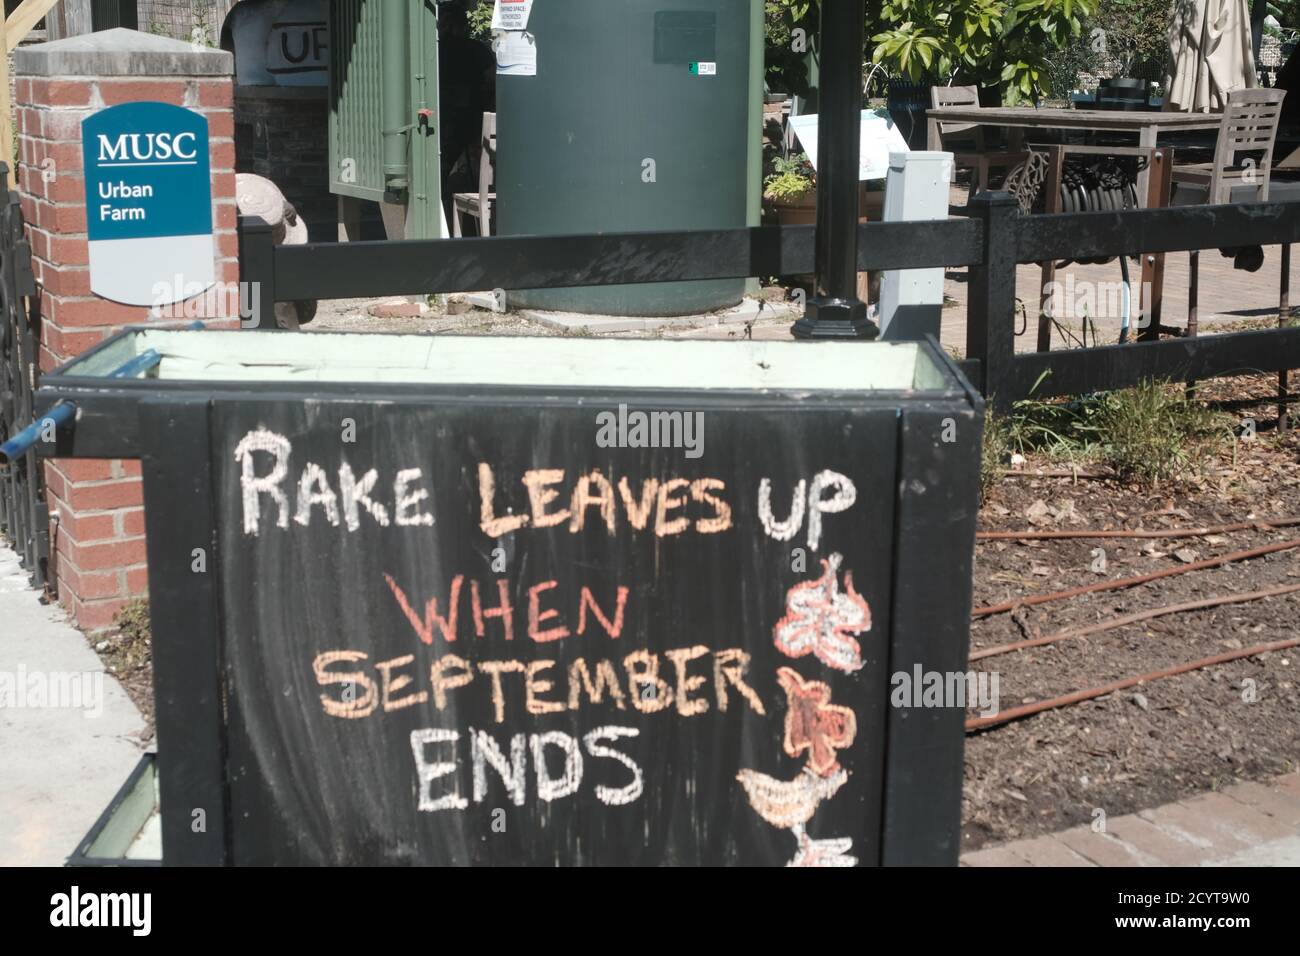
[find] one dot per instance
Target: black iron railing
(24, 517)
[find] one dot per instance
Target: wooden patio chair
(1249, 127)
(479, 205)
(969, 150)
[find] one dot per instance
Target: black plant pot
(1123, 93)
(907, 103)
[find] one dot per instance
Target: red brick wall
(98, 538)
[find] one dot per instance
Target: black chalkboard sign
(516, 632)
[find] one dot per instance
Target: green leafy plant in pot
(791, 190)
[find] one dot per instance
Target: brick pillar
(98, 538)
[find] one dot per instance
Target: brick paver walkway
(1248, 824)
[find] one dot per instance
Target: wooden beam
(12, 32)
(23, 21)
(6, 114)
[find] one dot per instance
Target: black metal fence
(1009, 239)
(24, 517)
(991, 241)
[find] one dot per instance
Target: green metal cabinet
(383, 74)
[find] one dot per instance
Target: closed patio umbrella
(1210, 54)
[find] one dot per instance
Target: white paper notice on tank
(516, 53)
(511, 14)
(879, 137)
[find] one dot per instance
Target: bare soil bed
(1165, 739)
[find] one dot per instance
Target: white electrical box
(916, 189)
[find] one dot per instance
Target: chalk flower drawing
(813, 723)
(820, 619)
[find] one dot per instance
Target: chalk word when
(544, 623)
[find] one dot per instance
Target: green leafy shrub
(1007, 44)
(791, 179)
(480, 20)
(789, 34)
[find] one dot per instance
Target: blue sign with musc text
(148, 203)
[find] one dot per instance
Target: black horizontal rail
(1086, 235)
(1005, 376)
(1079, 371)
(990, 239)
(365, 269)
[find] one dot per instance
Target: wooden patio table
(1147, 125)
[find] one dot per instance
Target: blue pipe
(61, 414)
(64, 413)
(137, 366)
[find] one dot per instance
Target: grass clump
(1146, 435)
(995, 454)
(1154, 433)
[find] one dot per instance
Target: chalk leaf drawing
(820, 619)
(813, 723)
(815, 726)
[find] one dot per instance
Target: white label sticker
(704, 69)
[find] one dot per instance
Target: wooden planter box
(296, 683)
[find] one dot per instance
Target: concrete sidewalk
(69, 734)
(1247, 824)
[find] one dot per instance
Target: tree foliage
(790, 29)
(1003, 44)
(1006, 44)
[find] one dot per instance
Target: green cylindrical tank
(637, 119)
